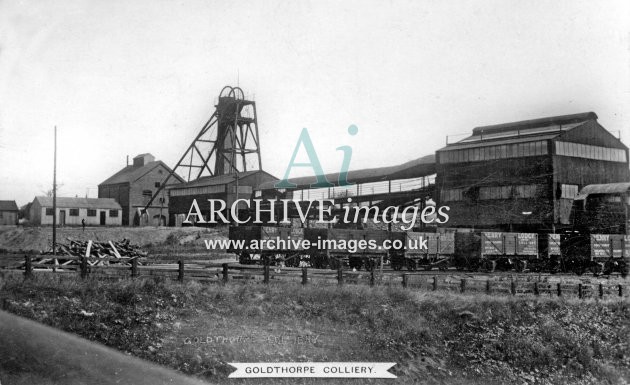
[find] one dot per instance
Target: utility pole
(55, 197)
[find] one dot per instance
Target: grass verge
(434, 337)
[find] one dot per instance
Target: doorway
(103, 214)
(62, 218)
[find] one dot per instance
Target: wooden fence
(518, 284)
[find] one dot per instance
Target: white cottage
(71, 211)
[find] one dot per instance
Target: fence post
(513, 287)
(559, 289)
(266, 273)
(580, 293)
(372, 277)
(340, 275)
(435, 282)
(28, 266)
(404, 280)
(536, 290)
(134, 268)
(84, 267)
(225, 272)
(462, 285)
(304, 275)
(180, 272)
(488, 288)
(620, 290)
(601, 291)
(5, 304)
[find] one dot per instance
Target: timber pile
(121, 252)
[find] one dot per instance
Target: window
(49, 211)
(590, 152)
(74, 212)
(157, 184)
(508, 192)
(449, 195)
(494, 152)
(91, 213)
(113, 213)
(569, 191)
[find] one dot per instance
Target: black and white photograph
(314, 192)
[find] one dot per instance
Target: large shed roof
(213, 180)
(416, 168)
(523, 131)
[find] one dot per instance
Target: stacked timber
(98, 253)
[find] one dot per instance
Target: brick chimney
(142, 159)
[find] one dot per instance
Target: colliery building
(222, 187)
(72, 211)
(134, 185)
(602, 208)
(524, 176)
(407, 184)
(8, 213)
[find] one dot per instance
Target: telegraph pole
(55, 197)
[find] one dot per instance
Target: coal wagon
(598, 253)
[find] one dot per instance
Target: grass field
(434, 337)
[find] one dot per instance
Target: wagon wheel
(291, 260)
(489, 265)
(244, 258)
(579, 269)
(316, 261)
(623, 268)
(396, 262)
(334, 263)
(521, 265)
(598, 268)
(411, 265)
(369, 264)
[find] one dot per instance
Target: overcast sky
(122, 78)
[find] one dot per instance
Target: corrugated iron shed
(416, 168)
(214, 180)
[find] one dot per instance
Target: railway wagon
(274, 244)
(425, 250)
(549, 253)
(598, 253)
(495, 250)
(356, 248)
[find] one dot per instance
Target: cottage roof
(80, 203)
(8, 206)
